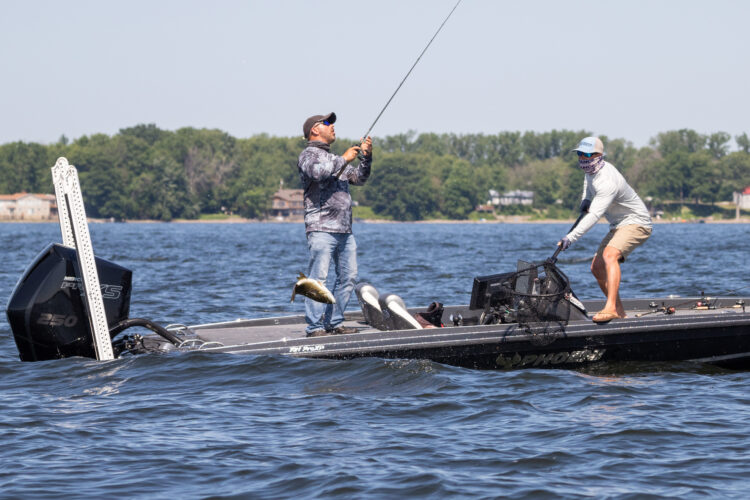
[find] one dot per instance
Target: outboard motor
(47, 311)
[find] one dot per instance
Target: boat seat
(368, 298)
(395, 314)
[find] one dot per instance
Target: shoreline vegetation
(146, 173)
(235, 219)
(745, 219)
(241, 220)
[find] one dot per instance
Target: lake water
(201, 425)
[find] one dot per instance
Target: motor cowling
(47, 310)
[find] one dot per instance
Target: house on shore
(288, 205)
(742, 199)
(28, 207)
(508, 198)
(516, 197)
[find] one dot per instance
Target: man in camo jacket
(328, 219)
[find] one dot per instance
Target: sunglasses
(587, 155)
(326, 123)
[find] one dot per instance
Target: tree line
(144, 172)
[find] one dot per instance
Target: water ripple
(198, 425)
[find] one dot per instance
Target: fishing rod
(704, 300)
(364, 137)
(553, 259)
(410, 70)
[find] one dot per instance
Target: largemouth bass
(313, 289)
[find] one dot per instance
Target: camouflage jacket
(328, 204)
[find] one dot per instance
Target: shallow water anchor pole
(75, 233)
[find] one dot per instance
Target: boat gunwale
(473, 335)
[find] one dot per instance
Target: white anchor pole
(75, 233)
(58, 175)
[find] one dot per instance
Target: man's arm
(318, 167)
(586, 198)
(599, 205)
(359, 175)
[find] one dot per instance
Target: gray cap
(310, 122)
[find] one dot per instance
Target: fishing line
(410, 70)
(407, 76)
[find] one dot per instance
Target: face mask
(591, 165)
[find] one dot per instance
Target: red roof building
(28, 206)
(742, 200)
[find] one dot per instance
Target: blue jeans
(342, 250)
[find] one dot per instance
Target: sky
(627, 69)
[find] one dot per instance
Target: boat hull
(720, 337)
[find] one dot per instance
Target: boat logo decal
(49, 319)
(552, 358)
(573, 300)
(306, 348)
(108, 291)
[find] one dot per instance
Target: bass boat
(70, 303)
(527, 318)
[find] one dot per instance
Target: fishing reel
(497, 316)
(705, 303)
(361, 156)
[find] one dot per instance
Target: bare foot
(605, 316)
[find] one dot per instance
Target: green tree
(743, 142)
(24, 167)
(403, 188)
(460, 193)
(146, 172)
(150, 133)
(684, 140)
(735, 174)
(718, 144)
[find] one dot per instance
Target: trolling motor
(69, 302)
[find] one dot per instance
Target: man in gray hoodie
(328, 219)
(607, 193)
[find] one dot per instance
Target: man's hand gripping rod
(553, 259)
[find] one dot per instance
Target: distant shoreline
(240, 220)
(742, 220)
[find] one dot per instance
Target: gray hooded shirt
(328, 204)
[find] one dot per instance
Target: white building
(28, 206)
(517, 197)
(742, 200)
(494, 198)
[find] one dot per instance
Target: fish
(313, 289)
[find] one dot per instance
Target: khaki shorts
(625, 239)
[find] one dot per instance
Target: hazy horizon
(626, 71)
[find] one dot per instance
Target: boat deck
(250, 331)
(292, 328)
(717, 335)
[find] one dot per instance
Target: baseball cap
(307, 127)
(590, 145)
